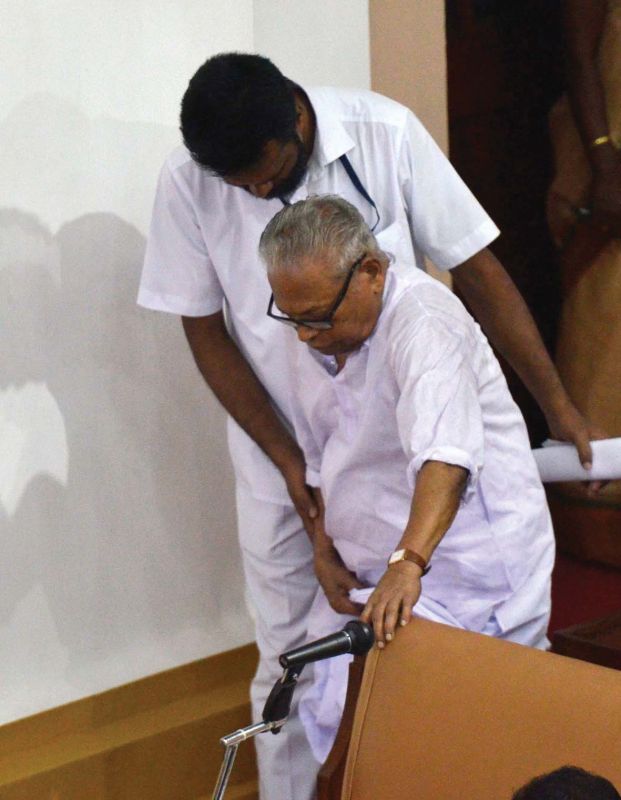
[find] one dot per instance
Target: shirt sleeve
(438, 411)
(446, 220)
(178, 275)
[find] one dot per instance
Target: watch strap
(411, 555)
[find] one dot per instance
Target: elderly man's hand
(335, 579)
(391, 602)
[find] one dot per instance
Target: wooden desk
(598, 641)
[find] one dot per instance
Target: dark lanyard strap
(358, 185)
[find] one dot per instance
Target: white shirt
(425, 386)
(202, 248)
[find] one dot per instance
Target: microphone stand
(275, 714)
(356, 637)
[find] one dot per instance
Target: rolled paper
(558, 461)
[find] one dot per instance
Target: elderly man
(410, 433)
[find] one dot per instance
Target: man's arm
(233, 382)
(441, 209)
(504, 316)
(439, 487)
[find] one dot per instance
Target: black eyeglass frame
(326, 323)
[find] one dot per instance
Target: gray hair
(324, 226)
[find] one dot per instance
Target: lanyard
(358, 185)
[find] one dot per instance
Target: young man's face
(278, 173)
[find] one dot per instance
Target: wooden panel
(155, 739)
(585, 529)
(408, 63)
(598, 642)
(408, 59)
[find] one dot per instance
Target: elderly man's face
(310, 292)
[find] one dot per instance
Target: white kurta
(427, 386)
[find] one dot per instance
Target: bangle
(601, 140)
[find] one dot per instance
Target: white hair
(322, 226)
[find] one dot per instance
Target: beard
(289, 184)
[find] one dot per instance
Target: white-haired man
(410, 433)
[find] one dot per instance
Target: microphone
(356, 637)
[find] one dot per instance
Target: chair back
(444, 714)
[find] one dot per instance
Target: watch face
(396, 556)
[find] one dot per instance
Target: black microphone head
(361, 635)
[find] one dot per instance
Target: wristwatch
(405, 554)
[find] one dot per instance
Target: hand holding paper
(558, 461)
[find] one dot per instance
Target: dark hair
(568, 783)
(234, 104)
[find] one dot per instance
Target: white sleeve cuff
(455, 254)
(312, 478)
(448, 455)
(159, 301)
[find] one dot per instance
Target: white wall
(119, 555)
(316, 42)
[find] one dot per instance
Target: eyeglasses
(324, 324)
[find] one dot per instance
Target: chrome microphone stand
(231, 743)
(275, 714)
(356, 637)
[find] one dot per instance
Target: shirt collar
(331, 139)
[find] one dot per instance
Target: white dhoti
(321, 705)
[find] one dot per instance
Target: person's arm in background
(233, 382)
(504, 317)
(444, 215)
(437, 493)
(584, 24)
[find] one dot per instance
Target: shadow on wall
(116, 494)
(59, 163)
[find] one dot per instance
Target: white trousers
(281, 585)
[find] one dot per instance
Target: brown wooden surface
(155, 739)
(585, 530)
(598, 642)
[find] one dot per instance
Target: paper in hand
(558, 461)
